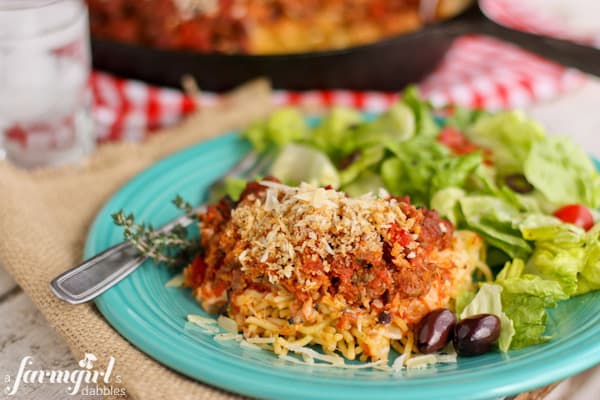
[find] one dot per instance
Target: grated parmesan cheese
(421, 361)
(209, 325)
(261, 340)
(176, 281)
(227, 323)
(330, 358)
(221, 337)
(248, 345)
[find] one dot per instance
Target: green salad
(530, 196)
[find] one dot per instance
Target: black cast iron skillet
(388, 64)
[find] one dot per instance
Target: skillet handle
(584, 58)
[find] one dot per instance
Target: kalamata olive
(349, 160)
(434, 331)
(518, 183)
(476, 334)
(384, 318)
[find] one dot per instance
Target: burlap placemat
(45, 216)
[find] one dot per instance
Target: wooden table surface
(24, 332)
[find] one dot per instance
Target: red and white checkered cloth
(519, 14)
(477, 72)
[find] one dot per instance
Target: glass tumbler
(45, 98)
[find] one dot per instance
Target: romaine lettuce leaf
(446, 202)
(231, 186)
(422, 166)
(317, 168)
(563, 172)
(454, 171)
(335, 135)
(492, 217)
(510, 136)
(412, 166)
(529, 316)
(281, 127)
(463, 300)
(560, 263)
(367, 181)
(424, 122)
(561, 250)
(367, 158)
(394, 125)
(525, 298)
(541, 227)
(589, 278)
(488, 301)
(462, 118)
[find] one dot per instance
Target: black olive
(475, 335)
(434, 331)
(518, 183)
(349, 159)
(291, 321)
(384, 318)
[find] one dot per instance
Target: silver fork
(95, 275)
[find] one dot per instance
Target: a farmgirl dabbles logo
(85, 381)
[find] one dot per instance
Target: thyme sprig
(172, 248)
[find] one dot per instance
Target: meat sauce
(400, 271)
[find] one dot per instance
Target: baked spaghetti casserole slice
(300, 266)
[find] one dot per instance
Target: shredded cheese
(227, 323)
(176, 281)
(421, 361)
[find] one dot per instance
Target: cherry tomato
(575, 214)
(451, 137)
(456, 141)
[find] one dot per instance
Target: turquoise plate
(153, 317)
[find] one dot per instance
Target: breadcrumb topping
(289, 221)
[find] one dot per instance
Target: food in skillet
(506, 196)
(262, 26)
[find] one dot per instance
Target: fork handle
(97, 274)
